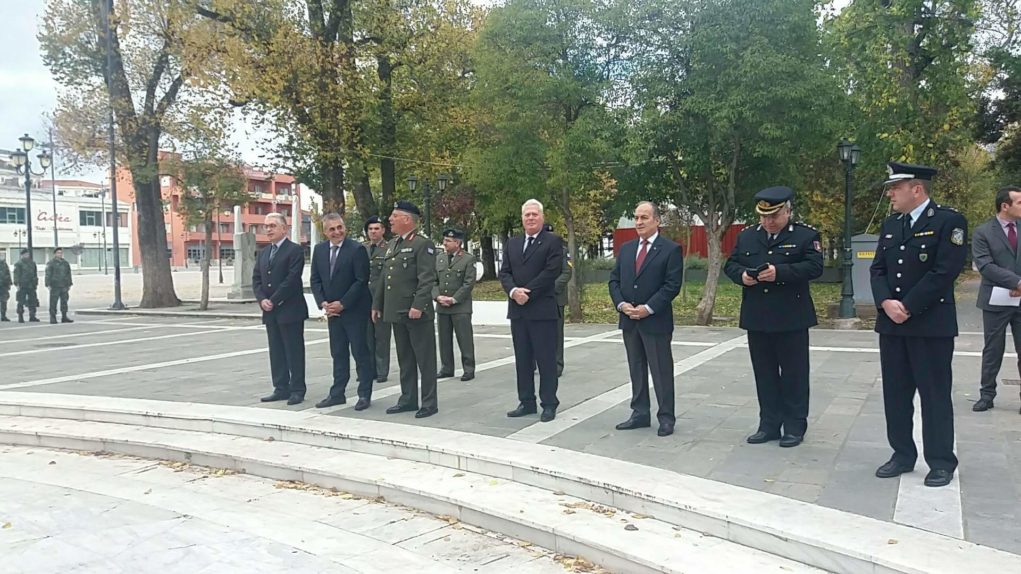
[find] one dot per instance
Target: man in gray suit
(995, 251)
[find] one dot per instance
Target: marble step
(615, 539)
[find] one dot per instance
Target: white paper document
(1001, 297)
(314, 312)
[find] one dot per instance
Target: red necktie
(642, 252)
(1012, 236)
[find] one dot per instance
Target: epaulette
(946, 208)
(803, 224)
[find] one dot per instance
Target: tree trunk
(488, 257)
(157, 281)
(362, 190)
(206, 260)
(704, 310)
(333, 187)
(388, 132)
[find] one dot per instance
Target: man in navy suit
(277, 285)
(340, 279)
(530, 266)
(643, 285)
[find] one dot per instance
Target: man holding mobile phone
(774, 262)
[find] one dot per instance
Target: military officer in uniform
(774, 262)
(455, 272)
(920, 253)
(379, 333)
(26, 279)
(403, 298)
(5, 288)
(58, 281)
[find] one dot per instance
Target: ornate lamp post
(849, 155)
(23, 164)
(441, 184)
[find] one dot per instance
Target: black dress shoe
(276, 396)
(938, 477)
(982, 404)
(444, 375)
(893, 468)
(789, 440)
(665, 429)
(362, 404)
(401, 409)
(53, 320)
(296, 400)
(467, 376)
(66, 320)
(426, 412)
(635, 422)
(522, 410)
(761, 437)
(33, 319)
(331, 401)
(548, 415)
(381, 380)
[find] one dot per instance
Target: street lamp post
(20, 233)
(849, 155)
(23, 165)
(441, 184)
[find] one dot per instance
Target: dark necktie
(1012, 236)
(333, 258)
(642, 251)
(450, 259)
(907, 226)
(528, 245)
(272, 252)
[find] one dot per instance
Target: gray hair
(333, 216)
(653, 206)
(534, 202)
(278, 216)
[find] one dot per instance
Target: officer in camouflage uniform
(26, 279)
(5, 288)
(58, 281)
(379, 333)
(455, 272)
(403, 298)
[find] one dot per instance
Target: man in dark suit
(774, 262)
(277, 285)
(378, 333)
(530, 266)
(340, 277)
(643, 286)
(920, 253)
(994, 250)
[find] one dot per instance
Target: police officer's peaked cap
(407, 207)
(372, 219)
(772, 199)
(24, 251)
(903, 171)
(454, 233)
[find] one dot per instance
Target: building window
(225, 228)
(89, 218)
(122, 221)
(284, 190)
(195, 252)
(15, 215)
(227, 253)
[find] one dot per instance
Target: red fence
(698, 244)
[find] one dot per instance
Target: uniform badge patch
(957, 236)
(430, 250)
(923, 257)
(817, 245)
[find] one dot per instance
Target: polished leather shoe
(401, 409)
(296, 400)
(444, 375)
(938, 477)
(362, 404)
(665, 429)
(982, 404)
(467, 376)
(381, 380)
(522, 410)
(331, 401)
(548, 415)
(761, 437)
(425, 412)
(33, 319)
(789, 440)
(893, 468)
(66, 320)
(635, 422)
(275, 397)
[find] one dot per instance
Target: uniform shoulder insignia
(957, 236)
(803, 224)
(946, 208)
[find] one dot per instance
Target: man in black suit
(340, 278)
(531, 264)
(277, 285)
(643, 285)
(920, 253)
(994, 249)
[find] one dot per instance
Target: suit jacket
(537, 271)
(996, 260)
(280, 282)
(455, 279)
(349, 281)
(919, 269)
(656, 284)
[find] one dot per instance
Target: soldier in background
(5, 287)
(379, 333)
(58, 281)
(455, 274)
(561, 289)
(26, 279)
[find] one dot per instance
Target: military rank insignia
(430, 250)
(957, 236)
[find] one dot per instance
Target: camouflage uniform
(455, 275)
(5, 288)
(26, 278)
(58, 280)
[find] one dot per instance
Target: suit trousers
(58, 295)
(347, 339)
(919, 364)
(416, 352)
(378, 337)
(994, 328)
(287, 356)
(780, 364)
(534, 345)
(459, 325)
(653, 353)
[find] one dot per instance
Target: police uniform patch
(957, 236)
(817, 245)
(923, 257)
(430, 250)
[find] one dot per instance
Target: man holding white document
(995, 251)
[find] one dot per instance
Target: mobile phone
(754, 273)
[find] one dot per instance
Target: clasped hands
(445, 300)
(520, 295)
(636, 313)
(896, 311)
(332, 309)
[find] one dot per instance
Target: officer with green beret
(455, 273)
(379, 333)
(58, 281)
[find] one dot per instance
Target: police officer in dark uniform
(774, 261)
(920, 254)
(379, 333)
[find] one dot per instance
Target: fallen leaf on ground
(630, 527)
(7, 525)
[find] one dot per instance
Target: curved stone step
(566, 524)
